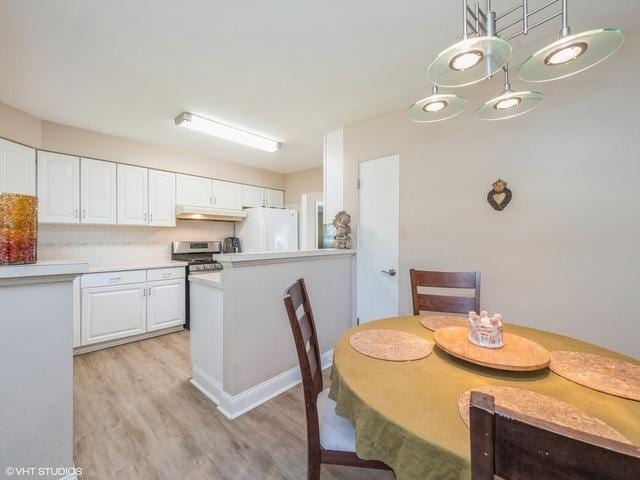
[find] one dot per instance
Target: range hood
(185, 212)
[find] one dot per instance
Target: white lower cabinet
(113, 312)
(117, 305)
(165, 304)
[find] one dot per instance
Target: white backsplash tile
(103, 242)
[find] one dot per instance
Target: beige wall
(65, 139)
(24, 128)
(306, 181)
(564, 254)
(19, 126)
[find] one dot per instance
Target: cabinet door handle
(84, 213)
(149, 291)
(145, 217)
(75, 213)
(151, 217)
(115, 279)
(144, 292)
(166, 275)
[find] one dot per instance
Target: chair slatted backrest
(517, 447)
(306, 340)
(444, 303)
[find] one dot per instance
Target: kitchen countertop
(208, 279)
(270, 257)
(115, 265)
(44, 268)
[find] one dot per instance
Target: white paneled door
(58, 188)
(227, 195)
(378, 238)
(133, 195)
(162, 198)
(17, 168)
(194, 191)
(113, 312)
(97, 192)
(274, 198)
(165, 304)
(252, 196)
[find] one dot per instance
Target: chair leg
(313, 468)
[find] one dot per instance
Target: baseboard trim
(121, 341)
(232, 406)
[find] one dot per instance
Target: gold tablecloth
(406, 413)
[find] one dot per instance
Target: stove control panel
(205, 267)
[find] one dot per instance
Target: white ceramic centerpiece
(484, 331)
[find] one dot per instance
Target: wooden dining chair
(330, 438)
(516, 447)
(444, 303)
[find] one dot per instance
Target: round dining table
(406, 413)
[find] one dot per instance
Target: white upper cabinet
(194, 191)
(274, 198)
(252, 196)
(162, 198)
(58, 188)
(261, 197)
(133, 195)
(97, 192)
(17, 168)
(227, 195)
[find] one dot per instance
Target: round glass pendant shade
(571, 54)
(508, 105)
(469, 61)
(437, 107)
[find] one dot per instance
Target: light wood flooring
(138, 417)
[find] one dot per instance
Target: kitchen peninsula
(242, 351)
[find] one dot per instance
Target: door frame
(358, 235)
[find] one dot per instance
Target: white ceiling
(288, 69)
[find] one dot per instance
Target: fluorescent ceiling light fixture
(217, 129)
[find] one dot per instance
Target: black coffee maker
(231, 245)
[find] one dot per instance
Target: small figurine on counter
(342, 239)
(484, 331)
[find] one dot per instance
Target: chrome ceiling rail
(526, 15)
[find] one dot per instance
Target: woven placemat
(544, 408)
(434, 322)
(392, 345)
(605, 374)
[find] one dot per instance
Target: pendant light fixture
(473, 58)
(437, 107)
(484, 49)
(509, 103)
(571, 54)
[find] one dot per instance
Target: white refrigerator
(268, 230)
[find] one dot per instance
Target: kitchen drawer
(113, 278)
(165, 273)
